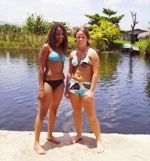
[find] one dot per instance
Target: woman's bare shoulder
(92, 51)
(72, 53)
(45, 48)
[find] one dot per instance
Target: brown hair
(51, 37)
(85, 31)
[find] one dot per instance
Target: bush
(144, 46)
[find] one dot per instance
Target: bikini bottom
(79, 88)
(54, 83)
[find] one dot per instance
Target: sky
(73, 11)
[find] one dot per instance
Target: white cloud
(111, 2)
(142, 1)
(72, 11)
(58, 10)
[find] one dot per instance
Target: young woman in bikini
(50, 81)
(81, 82)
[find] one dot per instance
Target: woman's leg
(56, 98)
(94, 123)
(77, 107)
(42, 111)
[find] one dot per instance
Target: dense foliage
(104, 34)
(104, 31)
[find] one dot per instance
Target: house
(136, 33)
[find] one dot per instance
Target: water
(122, 94)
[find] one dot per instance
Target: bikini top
(84, 61)
(54, 56)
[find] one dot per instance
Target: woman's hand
(67, 94)
(89, 97)
(41, 95)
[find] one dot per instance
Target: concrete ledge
(18, 146)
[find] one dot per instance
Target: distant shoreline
(27, 48)
(21, 48)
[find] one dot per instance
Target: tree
(109, 12)
(36, 24)
(5, 29)
(8, 31)
(14, 32)
(133, 14)
(94, 19)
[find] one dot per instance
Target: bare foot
(54, 140)
(76, 139)
(100, 147)
(39, 149)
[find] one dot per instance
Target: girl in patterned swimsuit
(81, 82)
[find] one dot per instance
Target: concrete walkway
(18, 146)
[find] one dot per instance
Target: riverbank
(36, 49)
(20, 48)
(18, 146)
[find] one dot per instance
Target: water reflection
(108, 65)
(122, 93)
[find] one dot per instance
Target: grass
(35, 42)
(121, 42)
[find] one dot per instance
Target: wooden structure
(134, 50)
(136, 33)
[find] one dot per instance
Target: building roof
(144, 35)
(136, 31)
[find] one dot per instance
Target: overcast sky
(73, 11)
